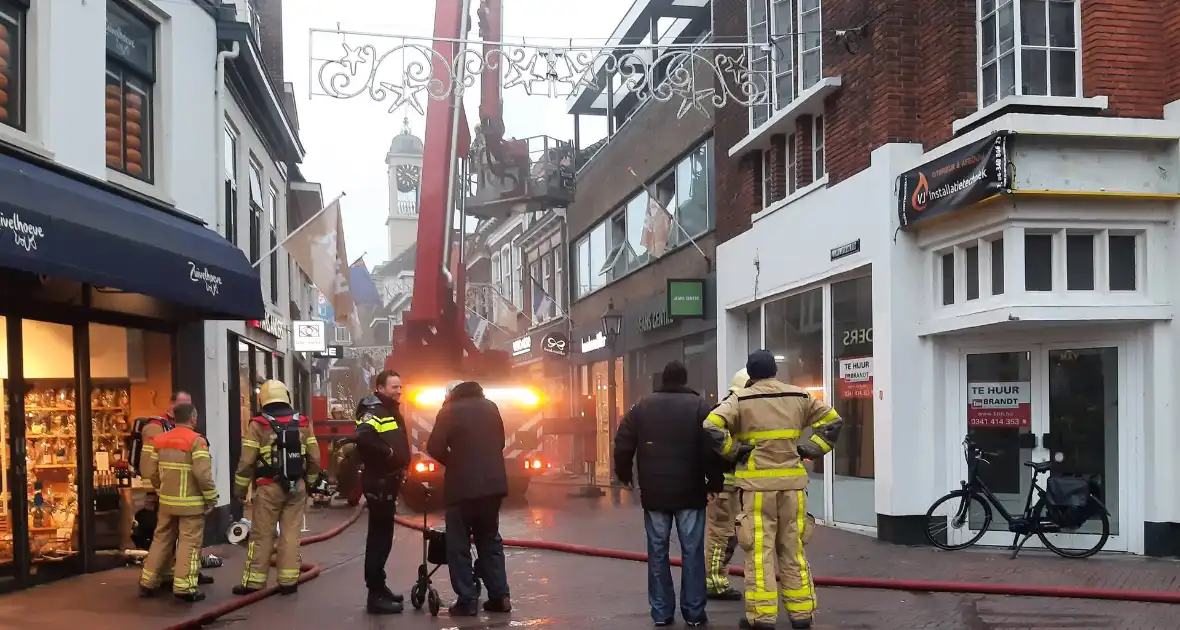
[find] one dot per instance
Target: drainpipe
(218, 125)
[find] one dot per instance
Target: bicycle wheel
(1054, 541)
(955, 511)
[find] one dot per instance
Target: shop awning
(55, 225)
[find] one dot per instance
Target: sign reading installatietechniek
(954, 181)
(999, 404)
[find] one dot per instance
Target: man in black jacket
(384, 447)
(468, 440)
(677, 474)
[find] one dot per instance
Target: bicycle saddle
(1039, 466)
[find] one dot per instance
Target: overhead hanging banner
(954, 181)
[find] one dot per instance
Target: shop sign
(686, 299)
(857, 336)
(653, 320)
(954, 181)
(273, 325)
(24, 234)
(310, 336)
(330, 352)
(999, 404)
(596, 342)
(556, 343)
(856, 378)
(847, 249)
(211, 280)
(130, 39)
(524, 345)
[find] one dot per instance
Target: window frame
(150, 91)
(1018, 49)
(272, 211)
(23, 15)
(255, 209)
(230, 182)
(794, 38)
(819, 164)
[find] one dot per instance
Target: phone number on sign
(997, 422)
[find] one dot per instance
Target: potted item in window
(134, 115)
(114, 126)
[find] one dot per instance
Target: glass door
(1059, 404)
(14, 542)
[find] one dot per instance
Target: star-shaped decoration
(406, 93)
(352, 57)
(696, 102)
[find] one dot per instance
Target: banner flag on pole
(318, 248)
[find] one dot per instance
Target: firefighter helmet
(273, 391)
(740, 378)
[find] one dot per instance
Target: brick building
(994, 186)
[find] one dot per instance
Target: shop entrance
(1065, 404)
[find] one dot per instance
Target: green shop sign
(686, 299)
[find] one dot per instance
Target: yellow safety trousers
(772, 528)
(184, 534)
(719, 544)
(272, 505)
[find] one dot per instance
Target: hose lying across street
(311, 571)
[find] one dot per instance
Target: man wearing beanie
(677, 471)
(761, 427)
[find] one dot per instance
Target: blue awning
(55, 225)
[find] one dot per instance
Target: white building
(1058, 291)
(108, 258)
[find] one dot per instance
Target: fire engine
(485, 176)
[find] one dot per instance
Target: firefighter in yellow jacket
(281, 456)
(181, 471)
(720, 537)
(761, 427)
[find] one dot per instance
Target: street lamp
(612, 325)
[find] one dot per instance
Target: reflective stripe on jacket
(181, 471)
(258, 446)
(770, 417)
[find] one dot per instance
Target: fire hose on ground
(311, 571)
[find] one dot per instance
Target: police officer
(280, 455)
(181, 470)
(720, 538)
(761, 426)
(384, 446)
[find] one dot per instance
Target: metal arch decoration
(408, 70)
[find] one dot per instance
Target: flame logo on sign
(921, 194)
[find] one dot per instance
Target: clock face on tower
(407, 177)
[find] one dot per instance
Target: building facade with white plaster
(999, 271)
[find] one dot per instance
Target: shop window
(853, 459)
(997, 251)
(130, 82)
(794, 334)
(947, 277)
(255, 210)
(1079, 262)
(753, 331)
(971, 279)
(130, 377)
(272, 209)
(1122, 263)
(1038, 262)
(231, 184)
(12, 62)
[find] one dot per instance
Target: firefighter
(181, 471)
(720, 536)
(281, 456)
(761, 427)
(384, 447)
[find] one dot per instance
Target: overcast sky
(347, 139)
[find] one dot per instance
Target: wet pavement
(573, 592)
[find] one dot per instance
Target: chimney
(270, 17)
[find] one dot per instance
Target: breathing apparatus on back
(286, 467)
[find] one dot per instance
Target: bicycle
(1039, 519)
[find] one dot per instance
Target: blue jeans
(690, 529)
(477, 519)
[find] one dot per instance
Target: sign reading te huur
(524, 345)
(686, 298)
(556, 343)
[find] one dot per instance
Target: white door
(1060, 403)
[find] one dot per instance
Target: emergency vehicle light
(434, 396)
(424, 467)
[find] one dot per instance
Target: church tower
(404, 162)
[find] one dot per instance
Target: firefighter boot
(801, 624)
(377, 604)
(746, 624)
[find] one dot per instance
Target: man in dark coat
(678, 472)
(468, 440)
